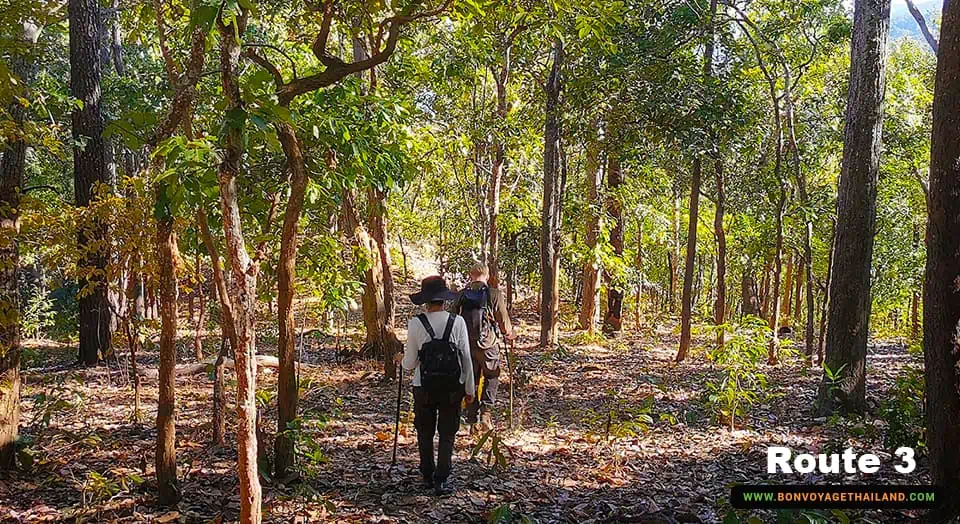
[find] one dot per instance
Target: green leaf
(236, 118)
(248, 5)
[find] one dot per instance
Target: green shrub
(739, 360)
(902, 410)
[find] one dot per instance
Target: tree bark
(12, 173)
(848, 325)
(638, 264)
(922, 24)
(941, 296)
(244, 278)
(90, 170)
(748, 291)
(589, 311)
(686, 299)
(201, 318)
(287, 383)
(720, 304)
(549, 229)
(613, 320)
(166, 456)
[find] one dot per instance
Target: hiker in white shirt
(436, 405)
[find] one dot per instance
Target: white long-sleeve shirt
(417, 335)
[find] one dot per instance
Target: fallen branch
(263, 361)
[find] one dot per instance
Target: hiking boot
(443, 487)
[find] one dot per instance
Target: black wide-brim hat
(432, 289)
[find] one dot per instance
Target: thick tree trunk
(377, 223)
(848, 326)
(244, 279)
(166, 456)
(89, 169)
(720, 304)
(589, 311)
(287, 383)
(686, 299)
(12, 172)
(612, 321)
(549, 230)
(941, 296)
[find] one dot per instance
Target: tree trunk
(201, 318)
(674, 256)
(748, 291)
(848, 325)
(922, 24)
(824, 311)
(941, 296)
(12, 172)
(774, 346)
(720, 304)
(549, 229)
(612, 321)
(589, 311)
(377, 215)
(638, 264)
(287, 383)
(786, 300)
(686, 300)
(381, 337)
(89, 169)
(219, 422)
(244, 279)
(166, 457)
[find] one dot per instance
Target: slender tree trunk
(848, 326)
(549, 229)
(941, 296)
(89, 167)
(287, 384)
(922, 24)
(589, 311)
(915, 297)
(612, 322)
(720, 304)
(12, 172)
(638, 264)
(674, 255)
(219, 422)
(824, 309)
(748, 290)
(244, 279)
(697, 172)
(166, 457)
(786, 300)
(774, 346)
(201, 318)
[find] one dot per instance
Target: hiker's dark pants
(436, 414)
(488, 364)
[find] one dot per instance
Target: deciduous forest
(718, 225)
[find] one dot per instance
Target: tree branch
(918, 16)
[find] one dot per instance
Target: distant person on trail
(438, 350)
(485, 312)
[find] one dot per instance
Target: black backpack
(478, 314)
(439, 359)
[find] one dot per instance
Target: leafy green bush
(739, 359)
(902, 410)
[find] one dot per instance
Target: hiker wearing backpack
(438, 350)
(484, 311)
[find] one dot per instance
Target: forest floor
(583, 449)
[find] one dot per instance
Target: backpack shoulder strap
(449, 328)
(422, 317)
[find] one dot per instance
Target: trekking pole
(396, 428)
(510, 356)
